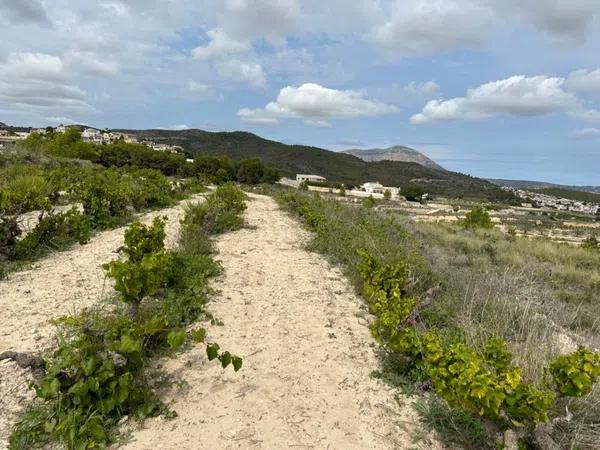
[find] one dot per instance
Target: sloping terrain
(307, 356)
(396, 153)
(335, 166)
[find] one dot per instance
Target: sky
(493, 88)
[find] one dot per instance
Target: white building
(60, 129)
(90, 134)
(378, 188)
(312, 178)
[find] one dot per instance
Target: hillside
(396, 153)
(293, 159)
(582, 196)
(527, 184)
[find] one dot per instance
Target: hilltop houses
(310, 178)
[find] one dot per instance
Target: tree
(413, 192)
(478, 217)
(387, 194)
(342, 191)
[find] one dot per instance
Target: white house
(60, 129)
(90, 134)
(378, 188)
(312, 178)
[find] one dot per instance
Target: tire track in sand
(307, 351)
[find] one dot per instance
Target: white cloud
(241, 71)
(177, 127)
(34, 66)
(220, 45)
(38, 81)
(517, 95)
(584, 80)
(427, 88)
(430, 26)
(587, 115)
(316, 104)
(586, 133)
(317, 123)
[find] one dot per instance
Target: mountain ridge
(335, 166)
(394, 153)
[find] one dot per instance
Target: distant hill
(396, 153)
(335, 166)
(526, 184)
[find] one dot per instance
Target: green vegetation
(412, 192)
(458, 309)
(98, 372)
(339, 167)
(121, 154)
(478, 217)
(110, 182)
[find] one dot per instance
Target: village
(539, 200)
(88, 134)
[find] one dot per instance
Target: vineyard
(438, 342)
(321, 324)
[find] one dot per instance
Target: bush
(53, 232)
(222, 211)
(478, 217)
(412, 192)
(9, 233)
(369, 202)
(147, 267)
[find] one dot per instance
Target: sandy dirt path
(62, 283)
(307, 355)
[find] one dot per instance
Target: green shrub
(9, 233)
(22, 193)
(478, 217)
(369, 202)
(147, 267)
(53, 232)
(576, 373)
(412, 192)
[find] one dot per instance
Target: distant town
(88, 134)
(539, 200)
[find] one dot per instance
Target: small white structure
(378, 188)
(60, 129)
(312, 178)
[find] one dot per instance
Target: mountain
(335, 166)
(526, 184)
(396, 153)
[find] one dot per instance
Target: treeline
(216, 169)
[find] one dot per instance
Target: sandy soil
(63, 283)
(307, 355)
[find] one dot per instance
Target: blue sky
(494, 88)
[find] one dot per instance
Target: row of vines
(98, 372)
(104, 186)
(394, 280)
